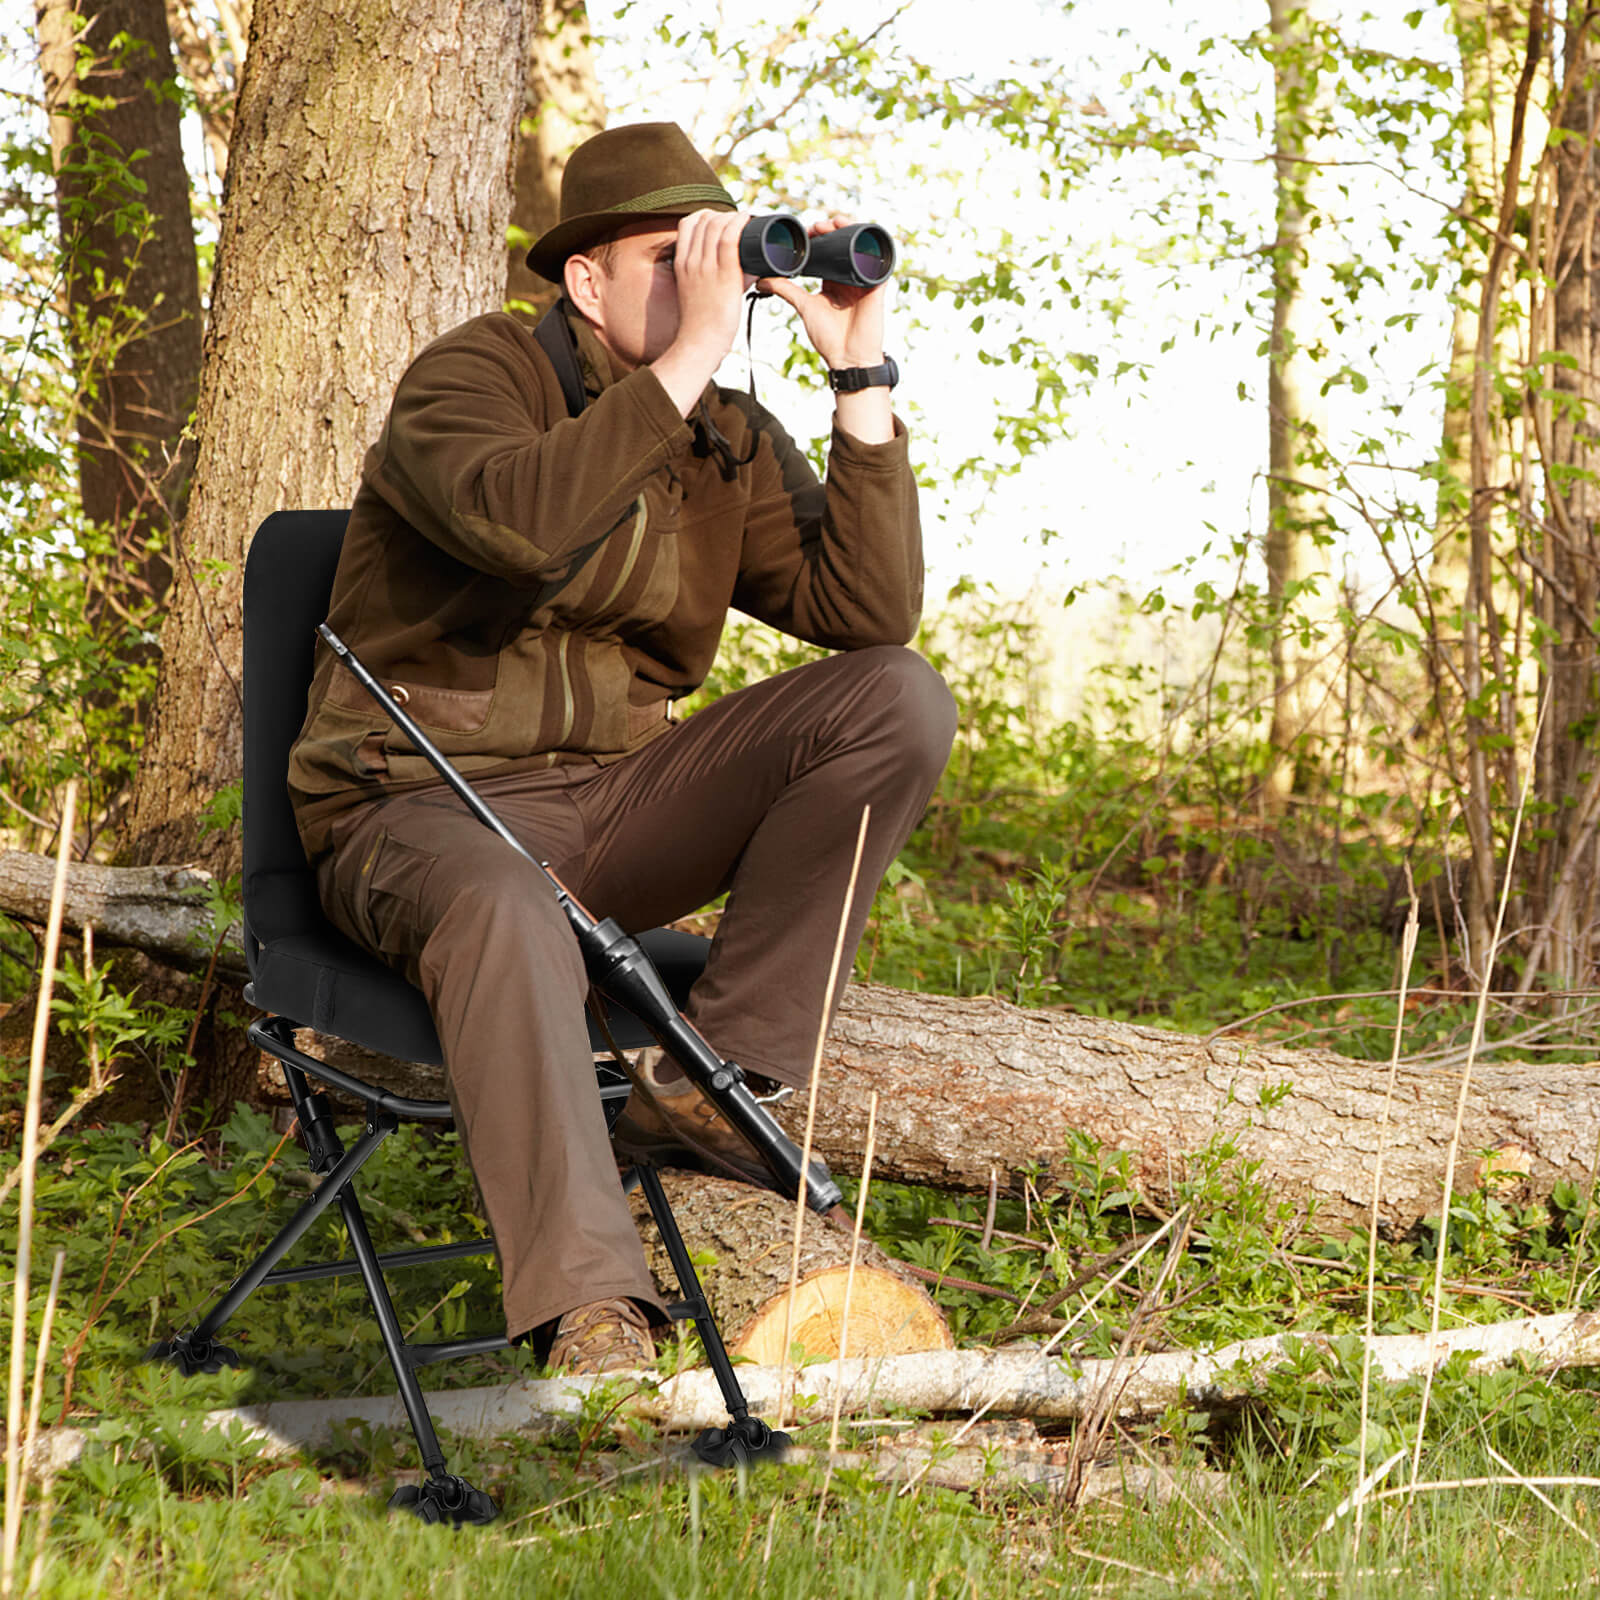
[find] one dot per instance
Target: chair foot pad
(190, 1355)
(742, 1443)
(445, 1498)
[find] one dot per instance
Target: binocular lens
(773, 247)
(871, 254)
(860, 253)
(777, 247)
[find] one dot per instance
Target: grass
(1054, 869)
(142, 1516)
(157, 1507)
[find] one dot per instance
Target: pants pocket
(388, 896)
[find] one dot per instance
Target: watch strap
(848, 380)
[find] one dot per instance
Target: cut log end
(740, 1239)
(888, 1317)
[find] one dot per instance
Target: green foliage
(1252, 1265)
(162, 1503)
(77, 637)
(111, 1024)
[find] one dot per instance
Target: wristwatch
(847, 380)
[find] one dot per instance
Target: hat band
(680, 194)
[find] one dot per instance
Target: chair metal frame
(442, 1496)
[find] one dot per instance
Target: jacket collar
(594, 360)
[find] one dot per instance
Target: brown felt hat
(623, 175)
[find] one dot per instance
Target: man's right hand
(711, 287)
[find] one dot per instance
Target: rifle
(621, 970)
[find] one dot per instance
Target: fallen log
(953, 1383)
(967, 1087)
(162, 910)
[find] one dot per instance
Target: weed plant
(160, 1505)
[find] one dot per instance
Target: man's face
(633, 306)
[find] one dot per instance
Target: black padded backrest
(288, 579)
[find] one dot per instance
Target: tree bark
(1300, 528)
(563, 107)
(364, 215)
(967, 1085)
(1565, 863)
(161, 910)
(132, 280)
(1491, 38)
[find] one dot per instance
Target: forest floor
(1053, 875)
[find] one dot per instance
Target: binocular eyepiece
(860, 253)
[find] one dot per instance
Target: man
(538, 587)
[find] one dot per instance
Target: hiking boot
(603, 1336)
(675, 1124)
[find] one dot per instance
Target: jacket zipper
(568, 709)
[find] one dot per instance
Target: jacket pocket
(339, 747)
(449, 710)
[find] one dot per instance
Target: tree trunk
(1566, 863)
(563, 108)
(1491, 37)
(364, 215)
(132, 280)
(966, 1085)
(1488, 784)
(1300, 529)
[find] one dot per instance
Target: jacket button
(399, 694)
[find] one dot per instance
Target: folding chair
(305, 973)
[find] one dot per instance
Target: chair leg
(443, 1497)
(746, 1439)
(197, 1349)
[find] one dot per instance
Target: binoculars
(860, 253)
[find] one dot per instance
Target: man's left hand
(842, 320)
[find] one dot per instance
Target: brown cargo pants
(759, 795)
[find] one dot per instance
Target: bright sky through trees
(1159, 462)
(1167, 457)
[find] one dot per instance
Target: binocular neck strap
(554, 335)
(715, 438)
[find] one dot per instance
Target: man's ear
(577, 276)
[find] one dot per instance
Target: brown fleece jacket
(537, 587)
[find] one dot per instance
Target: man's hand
(844, 323)
(710, 285)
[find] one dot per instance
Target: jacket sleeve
(470, 459)
(837, 565)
